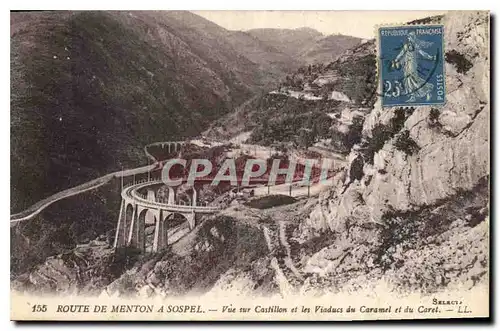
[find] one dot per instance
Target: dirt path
(288, 258)
(284, 286)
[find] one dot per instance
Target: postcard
(250, 165)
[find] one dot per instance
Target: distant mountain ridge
(289, 41)
(328, 48)
(307, 45)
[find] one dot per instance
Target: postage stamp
(411, 68)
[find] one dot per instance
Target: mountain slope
(89, 89)
(273, 63)
(314, 103)
(289, 41)
(328, 48)
(413, 204)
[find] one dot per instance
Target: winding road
(257, 151)
(90, 185)
(38, 207)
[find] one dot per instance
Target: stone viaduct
(130, 231)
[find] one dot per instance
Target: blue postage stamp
(411, 65)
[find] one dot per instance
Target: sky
(354, 23)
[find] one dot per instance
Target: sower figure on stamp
(414, 85)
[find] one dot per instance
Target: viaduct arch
(130, 231)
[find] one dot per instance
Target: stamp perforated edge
(419, 22)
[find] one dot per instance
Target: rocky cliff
(414, 204)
